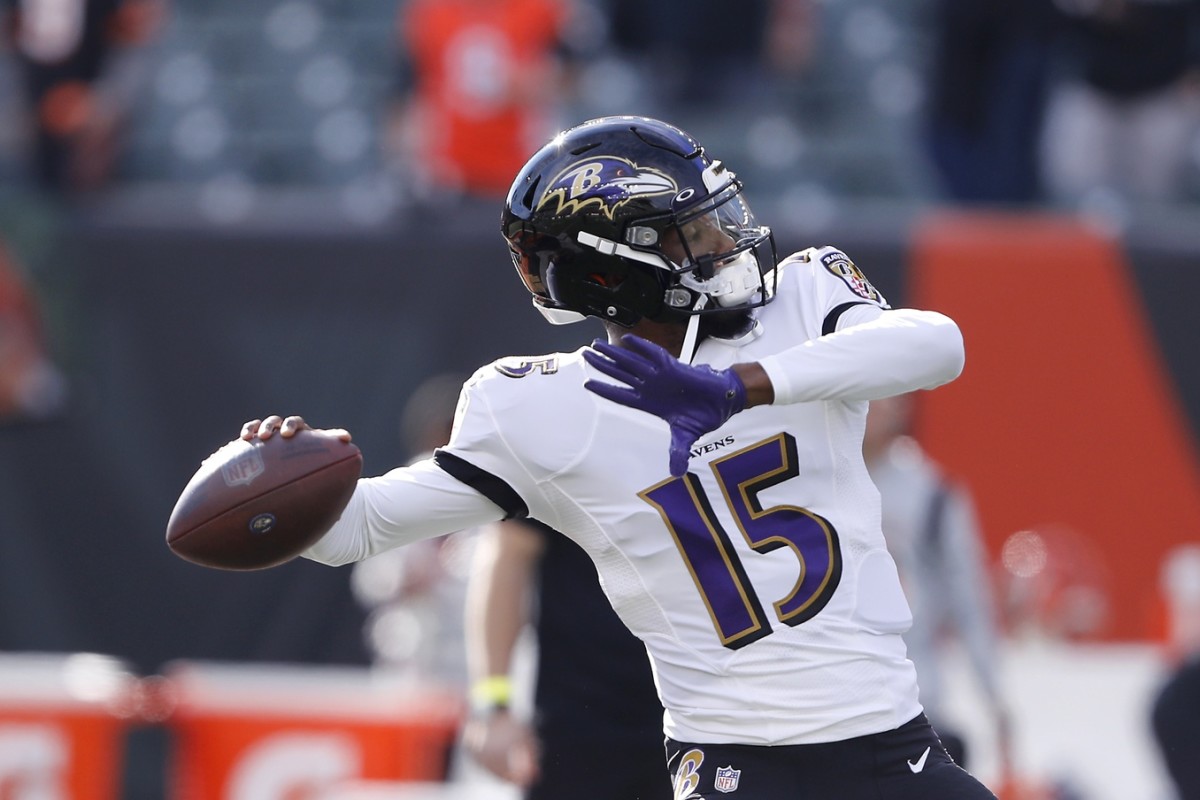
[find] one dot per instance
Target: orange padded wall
(1064, 418)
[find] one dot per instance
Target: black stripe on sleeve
(831, 319)
(487, 484)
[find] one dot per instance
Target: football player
(708, 457)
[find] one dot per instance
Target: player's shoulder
(531, 408)
(520, 367)
(830, 266)
(815, 261)
(515, 376)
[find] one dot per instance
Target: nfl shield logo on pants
(727, 779)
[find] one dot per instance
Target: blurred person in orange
(83, 63)
(479, 85)
(932, 530)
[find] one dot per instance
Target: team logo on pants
(687, 776)
(727, 779)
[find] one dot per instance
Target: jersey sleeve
(405, 505)
(475, 479)
(866, 349)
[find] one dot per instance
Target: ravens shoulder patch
(840, 265)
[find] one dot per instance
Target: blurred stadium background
(256, 249)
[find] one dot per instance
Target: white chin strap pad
(734, 284)
(559, 316)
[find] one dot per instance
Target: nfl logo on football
(727, 779)
(244, 469)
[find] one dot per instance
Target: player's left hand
(693, 399)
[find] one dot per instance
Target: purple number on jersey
(721, 579)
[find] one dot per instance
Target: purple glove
(692, 399)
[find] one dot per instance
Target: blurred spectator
(82, 62)
(31, 386)
(932, 532)
(1175, 713)
(791, 36)
(480, 82)
(1123, 116)
(987, 96)
(699, 52)
(583, 705)
(415, 594)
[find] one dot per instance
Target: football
(257, 504)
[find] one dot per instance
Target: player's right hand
(503, 745)
(286, 426)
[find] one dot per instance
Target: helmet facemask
(714, 254)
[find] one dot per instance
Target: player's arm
(873, 353)
(405, 505)
(499, 598)
(870, 353)
(866, 349)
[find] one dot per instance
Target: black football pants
(908, 763)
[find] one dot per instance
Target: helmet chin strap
(693, 332)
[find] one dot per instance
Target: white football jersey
(760, 581)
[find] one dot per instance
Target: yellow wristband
(494, 691)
